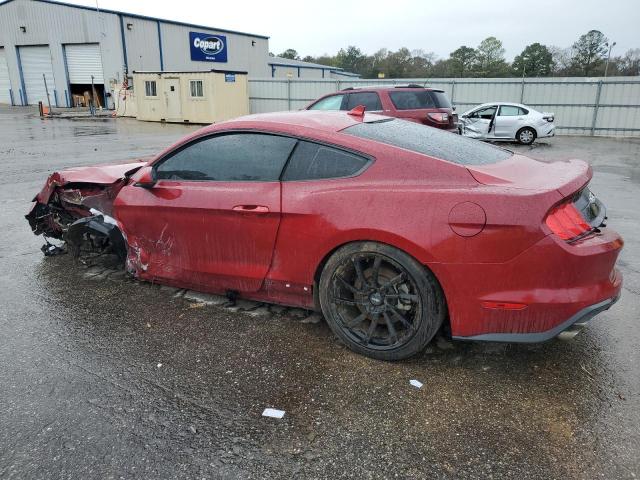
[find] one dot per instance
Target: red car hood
(522, 172)
(97, 174)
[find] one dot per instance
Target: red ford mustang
(390, 228)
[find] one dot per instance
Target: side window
(229, 157)
(334, 102)
(485, 113)
(150, 88)
(311, 161)
(509, 111)
(369, 99)
(523, 111)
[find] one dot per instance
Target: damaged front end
(79, 212)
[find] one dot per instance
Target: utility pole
(46, 88)
(92, 102)
(606, 67)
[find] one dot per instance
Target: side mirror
(144, 178)
(453, 108)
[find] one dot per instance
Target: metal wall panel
(582, 106)
(57, 25)
(84, 62)
(36, 66)
(143, 52)
(5, 84)
(245, 53)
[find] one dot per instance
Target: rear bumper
(583, 316)
(547, 131)
(535, 295)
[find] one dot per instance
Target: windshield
(430, 141)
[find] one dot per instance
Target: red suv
(415, 103)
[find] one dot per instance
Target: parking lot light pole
(606, 66)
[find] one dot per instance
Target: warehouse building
(286, 68)
(60, 49)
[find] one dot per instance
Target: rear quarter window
(417, 99)
(441, 99)
(411, 100)
(429, 141)
(312, 161)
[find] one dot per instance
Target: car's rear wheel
(526, 135)
(380, 301)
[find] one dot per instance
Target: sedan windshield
(430, 141)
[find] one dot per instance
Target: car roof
(326, 121)
(410, 86)
(513, 104)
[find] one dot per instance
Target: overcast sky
(317, 27)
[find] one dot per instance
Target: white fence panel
(583, 106)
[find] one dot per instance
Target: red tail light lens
(439, 117)
(566, 222)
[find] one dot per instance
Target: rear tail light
(439, 117)
(548, 118)
(567, 222)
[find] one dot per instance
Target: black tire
(526, 136)
(380, 301)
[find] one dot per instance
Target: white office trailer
(191, 97)
(78, 50)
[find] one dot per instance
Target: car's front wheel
(380, 301)
(526, 135)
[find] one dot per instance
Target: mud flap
(101, 235)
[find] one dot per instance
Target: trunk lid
(521, 172)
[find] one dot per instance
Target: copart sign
(207, 47)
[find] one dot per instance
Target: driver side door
(211, 218)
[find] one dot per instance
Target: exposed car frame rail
(602, 105)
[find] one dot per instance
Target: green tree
(589, 51)
(352, 60)
(462, 61)
(290, 53)
(534, 61)
(444, 68)
(490, 59)
(399, 63)
(630, 63)
(377, 63)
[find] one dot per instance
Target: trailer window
(197, 89)
(150, 88)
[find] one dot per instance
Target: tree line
(590, 55)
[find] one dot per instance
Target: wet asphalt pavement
(105, 377)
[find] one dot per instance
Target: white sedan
(501, 121)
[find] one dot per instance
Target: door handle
(251, 209)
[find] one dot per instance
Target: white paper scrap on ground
(416, 383)
(272, 412)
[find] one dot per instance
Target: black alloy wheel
(380, 301)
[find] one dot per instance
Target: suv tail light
(567, 222)
(439, 117)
